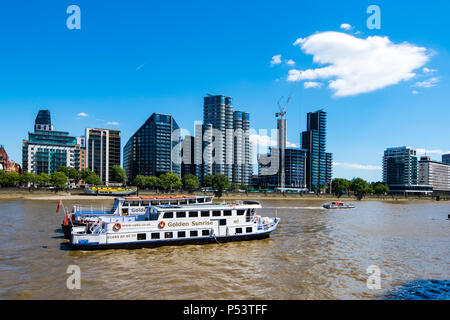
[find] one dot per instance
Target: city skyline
(89, 80)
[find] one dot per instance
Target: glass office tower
(318, 163)
(46, 150)
(154, 149)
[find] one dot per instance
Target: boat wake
(307, 208)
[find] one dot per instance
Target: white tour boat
(175, 225)
(128, 206)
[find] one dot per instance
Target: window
(168, 215)
(181, 214)
(216, 213)
(194, 233)
(223, 222)
(193, 214)
(205, 232)
(249, 229)
(240, 212)
(205, 214)
(168, 235)
(238, 230)
(155, 235)
(142, 236)
(181, 234)
(227, 213)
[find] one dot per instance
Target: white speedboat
(176, 225)
(338, 205)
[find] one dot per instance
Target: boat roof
(163, 197)
(219, 206)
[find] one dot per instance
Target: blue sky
(133, 58)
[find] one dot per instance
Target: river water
(314, 254)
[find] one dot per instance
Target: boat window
(134, 203)
(223, 222)
(193, 214)
(181, 234)
(238, 230)
(155, 235)
(227, 213)
(145, 203)
(168, 215)
(205, 232)
(142, 236)
(181, 214)
(216, 213)
(154, 203)
(125, 204)
(249, 229)
(168, 235)
(183, 202)
(194, 233)
(200, 200)
(154, 215)
(240, 212)
(205, 214)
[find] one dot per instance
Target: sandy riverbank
(51, 196)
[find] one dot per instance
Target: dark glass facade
(149, 151)
(319, 163)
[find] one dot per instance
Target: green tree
(380, 188)
(13, 178)
(85, 173)
(94, 179)
(340, 186)
(27, 177)
(152, 182)
(118, 174)
(360, 187)
(140, 181)
(3, 179)
(44, 179)
(70, 173)
(190, 182)
(207, 181)
(59, 179)
(220, 182)
(170, 181)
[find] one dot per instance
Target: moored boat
(338, 205)
(125, 206)
(110, 191)
(176, 225)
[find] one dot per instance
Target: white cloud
(415, 92)
(275, 59)
(346, 26)
(112, 123)
(426, 70)
(356, 166)
(290, 62)
(264, 141)
(357, 65)
(422, 151)
(432, 82)
(82, 114)
(312, 84)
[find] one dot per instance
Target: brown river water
(314, 254)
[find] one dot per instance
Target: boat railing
(91, 209)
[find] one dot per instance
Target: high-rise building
(102, 151)
(226, 140)
(188, 156)
(242, 168)
(154, 149)
(318, 163)
(218, 112)
(46, 150)
(434, 173)
(80, 154)
(446, 158)
(294, 169)
(400, 171)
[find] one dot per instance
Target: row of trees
(58, 179)
(171, 181)
(358, 186)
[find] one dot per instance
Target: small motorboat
(338, 205)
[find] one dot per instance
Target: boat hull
(177, 242)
